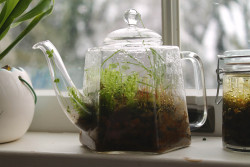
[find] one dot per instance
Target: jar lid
(232, 62)
(133, 35)
(235, 61)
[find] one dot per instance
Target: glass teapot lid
(133, 35)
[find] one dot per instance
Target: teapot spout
(54, 61)
(74, 103)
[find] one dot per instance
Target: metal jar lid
(231, 62)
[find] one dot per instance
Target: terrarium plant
(127, 104)
(17, 97)
(133, 94)
(134, 106)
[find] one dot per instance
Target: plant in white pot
(17, 97)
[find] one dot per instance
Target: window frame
(170, 22)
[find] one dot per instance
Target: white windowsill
(64, 149)
(52, 140)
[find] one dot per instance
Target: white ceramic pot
(16, 104)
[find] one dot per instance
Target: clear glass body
(133, 98)
(138, 100)
(133, 95)
(236, 111)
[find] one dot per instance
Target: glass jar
(235, 68)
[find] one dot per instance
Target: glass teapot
(133, 96)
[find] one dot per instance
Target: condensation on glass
(234, 74)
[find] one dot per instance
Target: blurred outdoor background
(208, 27)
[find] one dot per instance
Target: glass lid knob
(131, 17)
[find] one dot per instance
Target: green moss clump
(117, 88)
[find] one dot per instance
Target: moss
(117, 87)
(135, 113)
(77, 101)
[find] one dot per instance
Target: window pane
(74, 26)
(210, 27)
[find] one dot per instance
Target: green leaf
(39, 8)
(4, 33)
(50, 53)
(57, 80)
(1, 1)
(30, 26)
(3, 14)
(19, 8)
(6, 10)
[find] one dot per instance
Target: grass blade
(144, 83)
(6, 10)
(3, 13)
(17, 11)
(154, 52)
(1, 1)
(31, 25)
(110, 57)
(4, 33)
(39, 8)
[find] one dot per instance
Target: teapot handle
(199, 83)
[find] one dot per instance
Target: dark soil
(236, 123)
(136, 127)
